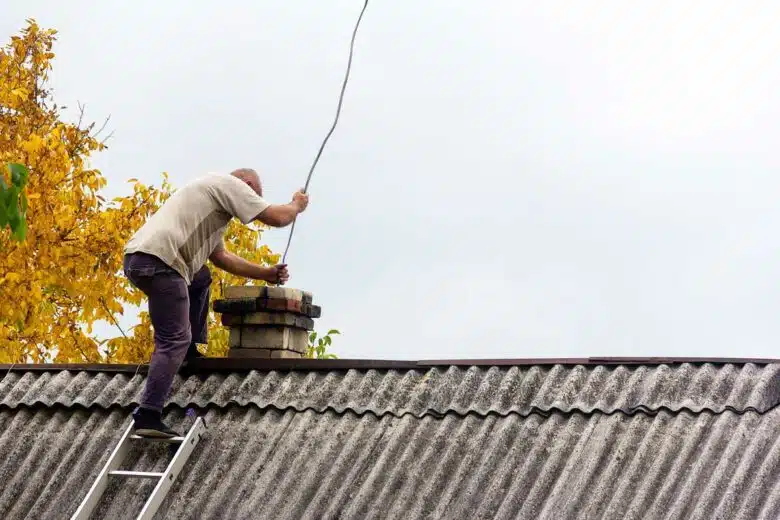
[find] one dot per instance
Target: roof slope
(672, 441)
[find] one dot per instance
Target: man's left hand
(278, 274)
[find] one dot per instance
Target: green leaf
(21, 230)
(12, 207)
(19, 174)
(333, 331)
(14, 222)
(3, 211)
(12, 197)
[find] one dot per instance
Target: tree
(66, 276)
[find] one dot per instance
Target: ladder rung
(135, 474)
(171, 440)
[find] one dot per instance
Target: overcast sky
(508, 179)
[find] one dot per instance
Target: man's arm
(282, 215)
(236, 265)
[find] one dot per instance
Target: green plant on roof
(13, 201)
(318, 347)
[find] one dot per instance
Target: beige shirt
(190, 225)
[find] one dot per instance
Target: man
(166, 260)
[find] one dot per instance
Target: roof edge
(239, 365)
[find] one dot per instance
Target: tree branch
(76, 343)
(96, 134)
(111, 314)
(109, 136)
(81, 113)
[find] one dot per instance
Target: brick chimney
(267, 322)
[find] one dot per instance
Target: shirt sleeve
(238, 199)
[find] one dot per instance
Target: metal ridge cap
(219, 365)
(239, 365)
(600, 360)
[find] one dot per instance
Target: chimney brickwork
(267, 322)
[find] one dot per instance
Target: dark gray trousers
(179, 314)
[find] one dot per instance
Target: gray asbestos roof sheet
(692, 441)
(306, 465)
(435, 391)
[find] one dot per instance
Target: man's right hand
(301, 200)
(281, 215)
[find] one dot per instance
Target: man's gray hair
(249, 176)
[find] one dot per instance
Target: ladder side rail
(172, 471)
(95, 493)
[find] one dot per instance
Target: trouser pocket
(141, 269)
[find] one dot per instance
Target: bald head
(249, 176)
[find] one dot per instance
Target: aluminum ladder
(165, 479)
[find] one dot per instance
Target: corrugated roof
(306, 465)
(435, 391)
(689, 440)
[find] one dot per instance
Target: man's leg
(199, 294)
(169, 312)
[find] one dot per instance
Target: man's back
(191, 223)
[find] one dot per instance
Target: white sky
(509, 179)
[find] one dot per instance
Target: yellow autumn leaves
(66, 276)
